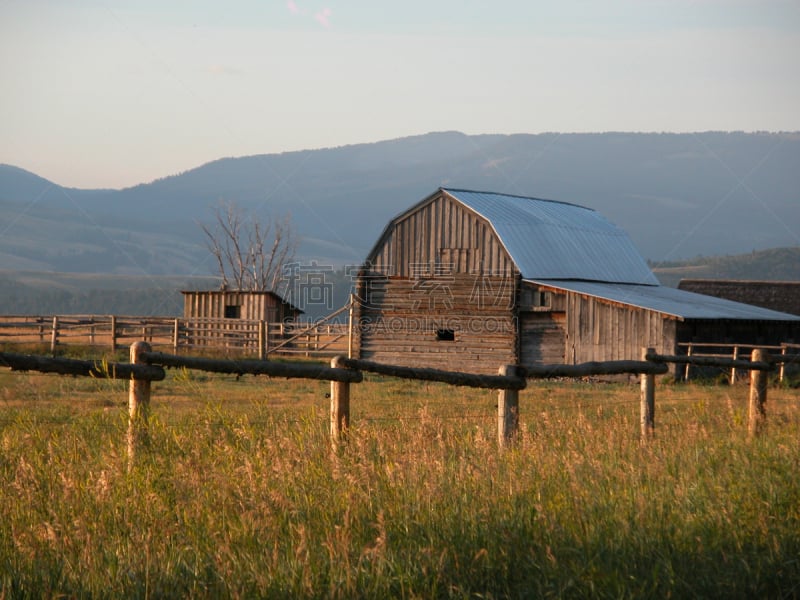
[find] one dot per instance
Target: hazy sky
(105, 93)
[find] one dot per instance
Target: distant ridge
(774, 264)
(677, 196)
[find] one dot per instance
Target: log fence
(146, 366)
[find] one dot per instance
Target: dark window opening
(233, 311)
(445, 335)
(542, 299)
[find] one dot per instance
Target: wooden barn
(238, 304)
(470, 281)
(783, 296)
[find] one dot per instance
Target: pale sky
(103, 93)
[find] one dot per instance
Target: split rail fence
(146, 366)
(324, 338)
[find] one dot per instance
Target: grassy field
(239, 495)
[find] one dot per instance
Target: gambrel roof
(547, 239)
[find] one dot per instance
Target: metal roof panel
(551, 239)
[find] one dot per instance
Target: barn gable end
(439, 233)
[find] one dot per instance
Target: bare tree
(250, 254)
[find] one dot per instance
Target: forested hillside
(76, 293)
(776, 264)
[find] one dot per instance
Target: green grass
(239, 494)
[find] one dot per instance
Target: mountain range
(677, 195)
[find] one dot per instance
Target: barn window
(233, 311)
(542, 298)
(445, 335)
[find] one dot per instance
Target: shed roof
(670, 301)
(548, 239)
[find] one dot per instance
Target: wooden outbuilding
(234, 318)
(470, 281)
(238, 305)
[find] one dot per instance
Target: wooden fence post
(54, 336)
(175, 334)
(648, 400)
(138, 404)
(262, 339)
(783, 363)
(350, 326)
(757, 413)
(733, 369)
(507, 410)
(688, 365)
(340, 404)
(113, 333)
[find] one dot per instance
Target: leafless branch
(250, 254)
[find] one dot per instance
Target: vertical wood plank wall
(253, 306)
(601, 331)
(441, 232)
(211, 305)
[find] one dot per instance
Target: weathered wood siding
(444, 234)
(407, 321)
(253, 306)
(200, 307)
(542, 338)
(597, 330)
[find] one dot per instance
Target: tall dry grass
(239, 493)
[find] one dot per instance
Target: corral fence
(146, 366)
(734, 351)
(322, 338)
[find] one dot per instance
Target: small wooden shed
(470, 281)
(238, 305)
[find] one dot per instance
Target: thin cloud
(323, 17)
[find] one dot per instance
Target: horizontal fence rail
(254, 367)
(590, 369)
(85, 368)
(494, 382)
(709, 361)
